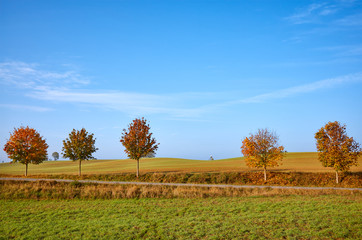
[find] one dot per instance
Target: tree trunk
(138, 167)
(264, 174)
(26, 169)
(337, 177)
(80, 166)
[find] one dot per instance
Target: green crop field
(293, 217)
(295, 162)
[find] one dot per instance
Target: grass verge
(45, 190)
(352, 179)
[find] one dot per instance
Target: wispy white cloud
(343, 50)
(311, 12)
(326, 19)
(29, 75)
(327, 11)
(183, 106)
(25, 107)
(297, 90)
(53, 86)
(352, 20)
(175, 105)
(317, 12)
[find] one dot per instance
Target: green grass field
(40, 210)
(292, 217)
(294, 162)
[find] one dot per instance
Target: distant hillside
(294, 161)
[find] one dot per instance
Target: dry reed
(76, 190)
(350, 180)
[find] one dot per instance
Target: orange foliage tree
(26, 146)
(335, 148)
(138, 141)
(79, 146)
(262, 150)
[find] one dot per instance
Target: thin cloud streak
(26, 107)
(62, 87)
(29, 76)
(316, 12)
(343, 50)
(188, 106)
(351, 21)
(129, 103)
(326, 18)
(311, 87)
(308, 14)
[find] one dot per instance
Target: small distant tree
(25, 145)
(336, 149)
(150, 155)
(79, 146)
(138, 140)
(55, 156)
(262, 150)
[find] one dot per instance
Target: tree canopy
(55, 155)
(79, 146)
(138, 140)
(336, 149)
(25, 145)
(261, 150)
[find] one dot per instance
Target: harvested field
(293, 162)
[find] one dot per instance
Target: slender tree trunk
(337, 177)
(26, 169)
(80, 167)
(265, 174)
(138, 167)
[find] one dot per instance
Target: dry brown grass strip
(348, 180)
(77, 190)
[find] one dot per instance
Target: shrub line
(177, 184)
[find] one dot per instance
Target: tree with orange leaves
(26, 146)
(262, 150)
(138, 141)
(336, 149)
(79, 146)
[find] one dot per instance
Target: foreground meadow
(257, 217)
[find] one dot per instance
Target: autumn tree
(262, 150)
(26, 146)
(79, 146)
(336, 149)
(138, 140)
(55, 155)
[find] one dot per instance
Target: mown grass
(293, 162)
(277, 217)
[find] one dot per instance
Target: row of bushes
(42, 190)
(348, 179)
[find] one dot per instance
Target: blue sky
(204, 74)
